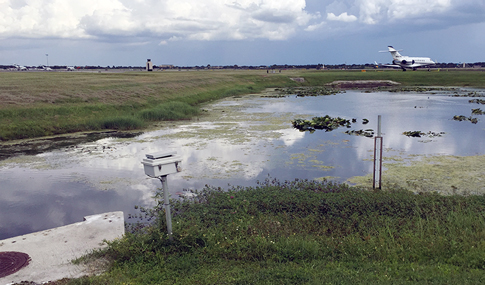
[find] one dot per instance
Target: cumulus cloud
(344, 17)
(375, 11)
(167, 20)
(378, 12)
(315, 27)
(189, 19)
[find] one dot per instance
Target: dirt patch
(298, 79)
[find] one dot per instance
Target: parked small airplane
(20, 67)
(406, 62)
(70, 68)
(46, 68)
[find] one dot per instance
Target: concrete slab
(51, 251)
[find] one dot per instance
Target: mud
(44, 144)
(365, 84)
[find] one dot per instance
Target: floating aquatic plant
(365, 133)
(326, 123)
(463, 118)
(418, 134)
(478, 112)
(478, 101)
(421, 89)
(308, 91)
(469, 94)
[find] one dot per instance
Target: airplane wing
(420, 64)
(391, 65)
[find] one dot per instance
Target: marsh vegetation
(305, 232)
(326, 123)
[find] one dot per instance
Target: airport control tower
(149, 65)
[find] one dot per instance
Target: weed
(306, 232)
(169, 111)
(121, 123)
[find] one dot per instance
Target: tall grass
(305, 232)
(121, 123)
(169, 111)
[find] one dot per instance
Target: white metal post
(377, 156)
(166, 204)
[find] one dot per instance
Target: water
(242, 141)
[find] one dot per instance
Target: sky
(238, 32)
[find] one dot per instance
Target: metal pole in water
(377, 156)
(166, 204)
(379, 125)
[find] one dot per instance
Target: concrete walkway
(51, 251)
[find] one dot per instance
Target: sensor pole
(377, 156)
(166, 204)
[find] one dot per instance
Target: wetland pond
(240, 140)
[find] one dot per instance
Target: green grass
(169, 111)
(409, 78)
(40, 104)
(36, 104)
(304, 232)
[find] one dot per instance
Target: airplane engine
(404, 61)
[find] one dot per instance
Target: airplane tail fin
(395, 53)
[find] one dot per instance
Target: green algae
(443, 174)
(33, 162)
(308, 159)
(326, 178)
(324, 167)
(235, 127)
(305, 91)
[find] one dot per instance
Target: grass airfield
(37, 104)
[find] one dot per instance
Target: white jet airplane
(46, 68)
(20, 67)
(70, 68)
(407, 62)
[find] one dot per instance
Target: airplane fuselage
(412, 62)
(408, 62)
